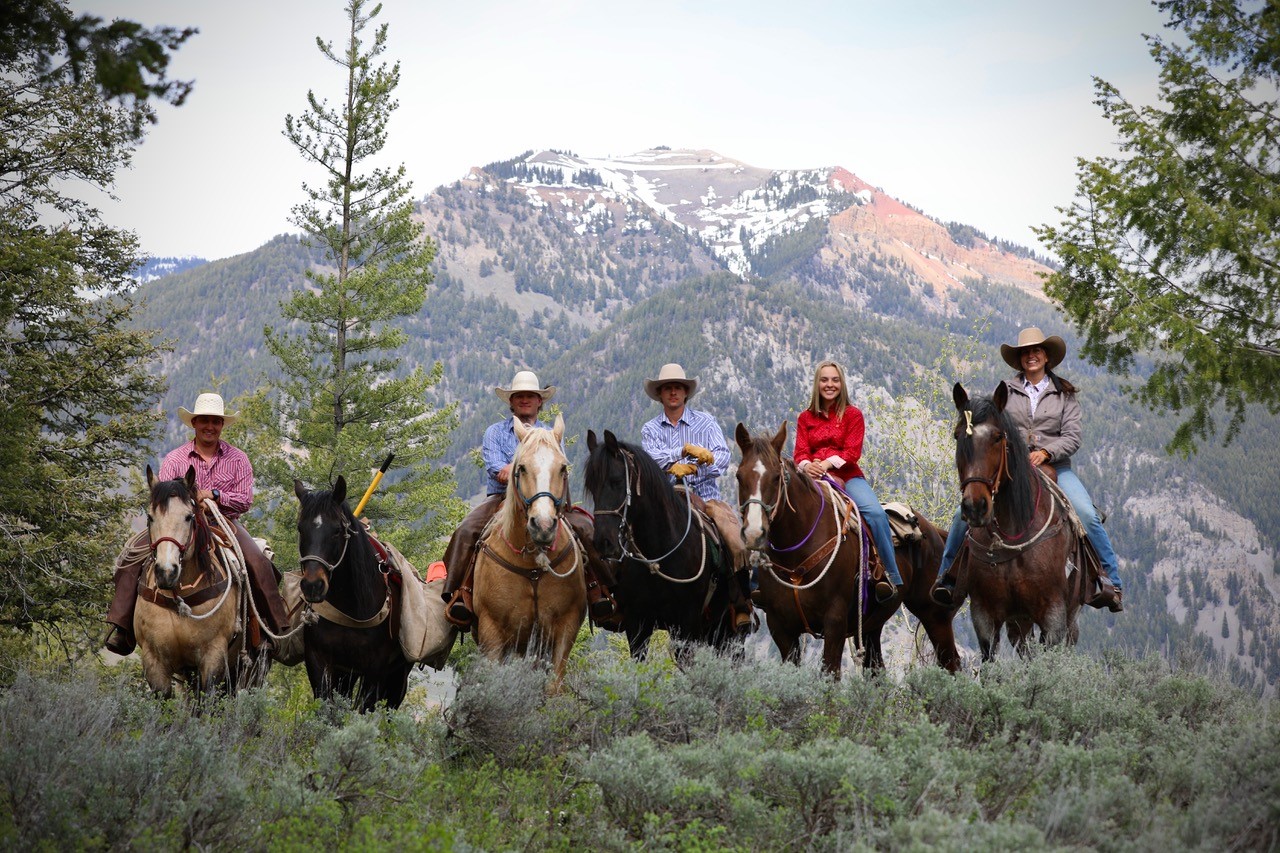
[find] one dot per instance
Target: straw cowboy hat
(1055, 348)
(525, 380)
(208, 404)
(669, 373)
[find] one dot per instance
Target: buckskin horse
(352, 648)
(671, 574)
(529, 575)
(1021, 535)
(188, 619)
(814, 581)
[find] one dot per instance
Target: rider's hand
(815, 469)
(504, 474)
(681, 469)
(1039, 457)
(704, 456)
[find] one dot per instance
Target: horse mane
(508, 516)
(1018, 493)
(651, 480)
(360, 558)
(202, 539)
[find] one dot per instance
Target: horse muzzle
(542, 531)
(977, 511)
(167, 573)
(314, 584)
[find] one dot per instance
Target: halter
(1002, 472)
(181, 546)
(332, 567)
(627, 537)
(771, 510)
(822, 495)
(558, 502)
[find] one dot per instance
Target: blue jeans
(1080, 502)
(860, 491)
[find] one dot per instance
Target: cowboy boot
(943, 592)
(459, 610)
(743, 617)
(119, 638)
(600, 603)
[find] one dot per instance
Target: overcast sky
(967, 109)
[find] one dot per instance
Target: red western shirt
(822, 437)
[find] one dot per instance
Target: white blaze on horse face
(753, 523)
(171, 525)
(317, 521)
(544, 465)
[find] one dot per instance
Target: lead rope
(864, 555)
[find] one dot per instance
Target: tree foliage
(77, 393)
(1175, 244)
(344, 401)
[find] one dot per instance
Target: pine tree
(346, 399)
(78, 396)
(1226, 630)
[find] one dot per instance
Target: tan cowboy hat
(525, 380)
(669, 373)
(1055, 348)
(208, 404)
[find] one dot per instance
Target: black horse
(671, 574)
(352, 649)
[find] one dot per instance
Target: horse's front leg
(638, 639)
(988, 630)
(1054, 627)
(835, 630)
(158, 672)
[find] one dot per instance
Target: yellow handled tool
(377, 478)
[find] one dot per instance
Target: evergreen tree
(1226, 630)
(78, 398)
(346, 399)
(1173, 245)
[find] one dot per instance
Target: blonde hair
(841, 403)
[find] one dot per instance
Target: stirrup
(885, 591)
(458, 611)
(943, 592)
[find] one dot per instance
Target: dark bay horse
(530, 590)
(1021, 532)
(352, 648)
(814, 582)
(189, 604)
(671, 575)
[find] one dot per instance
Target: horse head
(325, 528)
(762, 481)
(609, 477)
(539, 481)
(990, 454)
(172, 525)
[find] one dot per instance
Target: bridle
(181, 546)
(559, 502)
(332, 567)
(1002, 470)
(626, 535)
(784, 496)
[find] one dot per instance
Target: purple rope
(809, 535)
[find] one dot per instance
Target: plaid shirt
(665, 442)
(229, 472)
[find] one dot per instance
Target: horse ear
(299, 489)
(190, 479)
(558, 428)
(743, 437)
(151, 478)
(610, 442)
(340, 489)
(520, 429)
(779, 441)
(592, 441)
(960, 396)
(1001, 397)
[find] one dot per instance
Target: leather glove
(704, 456)
(681, 469)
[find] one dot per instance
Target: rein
(817, 518)
(627, 538)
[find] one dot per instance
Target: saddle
(847, 511)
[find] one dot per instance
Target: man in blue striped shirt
(690, 445)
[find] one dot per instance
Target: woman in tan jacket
(1045, 408)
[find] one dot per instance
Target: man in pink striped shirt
(224, 475)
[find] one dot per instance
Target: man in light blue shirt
(690, 446)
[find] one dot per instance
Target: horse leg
(1019, 630)
(942, 636)
(638, 640)
(835, 630)
(158, 673)
(787, 641)
(988, 630)
(1054, 627)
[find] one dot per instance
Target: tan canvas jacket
(1056, 426)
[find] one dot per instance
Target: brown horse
(1016, 563)
(188, 617)
(814, 582)
(529, 580)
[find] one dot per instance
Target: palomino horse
(672, 574)
(352, 648)
(188, 615)
(814, 582)
(529, 579)
(1016, 570)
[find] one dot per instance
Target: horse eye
(190, 517)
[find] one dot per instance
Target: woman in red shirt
(829, 443)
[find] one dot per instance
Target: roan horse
(529, 579)
(814, 582)
(1017, 568)
(188, 620)
(352, 648)
(672, 574)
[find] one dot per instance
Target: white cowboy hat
(208, 404)
(525, 380)
(669, 373)
(1055, 348)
